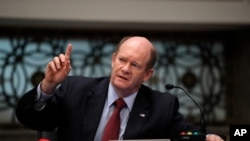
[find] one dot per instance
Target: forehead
(136, 48)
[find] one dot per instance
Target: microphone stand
(202, 120)
(202, 117)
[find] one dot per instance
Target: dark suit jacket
(77, 105)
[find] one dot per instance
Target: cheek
(116, 66)
(138, 77)
(142, 77)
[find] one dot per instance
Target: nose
(126, 68)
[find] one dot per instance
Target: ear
(148, 74)
(113, 59)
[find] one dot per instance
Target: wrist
(47, 88)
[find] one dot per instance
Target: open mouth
(122, 77)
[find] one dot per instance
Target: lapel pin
(142, 115)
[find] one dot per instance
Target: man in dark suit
(79, 107)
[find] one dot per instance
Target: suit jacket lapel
(93, 109)
(138, 116)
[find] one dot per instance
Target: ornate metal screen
(195, 65)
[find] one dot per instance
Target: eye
(121, 59)
(135, 65)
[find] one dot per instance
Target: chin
(120, 85)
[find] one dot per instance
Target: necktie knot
(120, 103)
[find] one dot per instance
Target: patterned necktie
(111, 131)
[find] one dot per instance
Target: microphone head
(169, 86)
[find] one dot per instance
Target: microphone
(202, 117)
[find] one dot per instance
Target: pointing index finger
(68, 52)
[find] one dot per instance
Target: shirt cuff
(41, 99)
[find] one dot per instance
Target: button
(196, 133)
(183, 133)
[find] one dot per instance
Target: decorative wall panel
(195, 65)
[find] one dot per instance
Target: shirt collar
(113, 96)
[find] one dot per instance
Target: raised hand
(56, 71)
